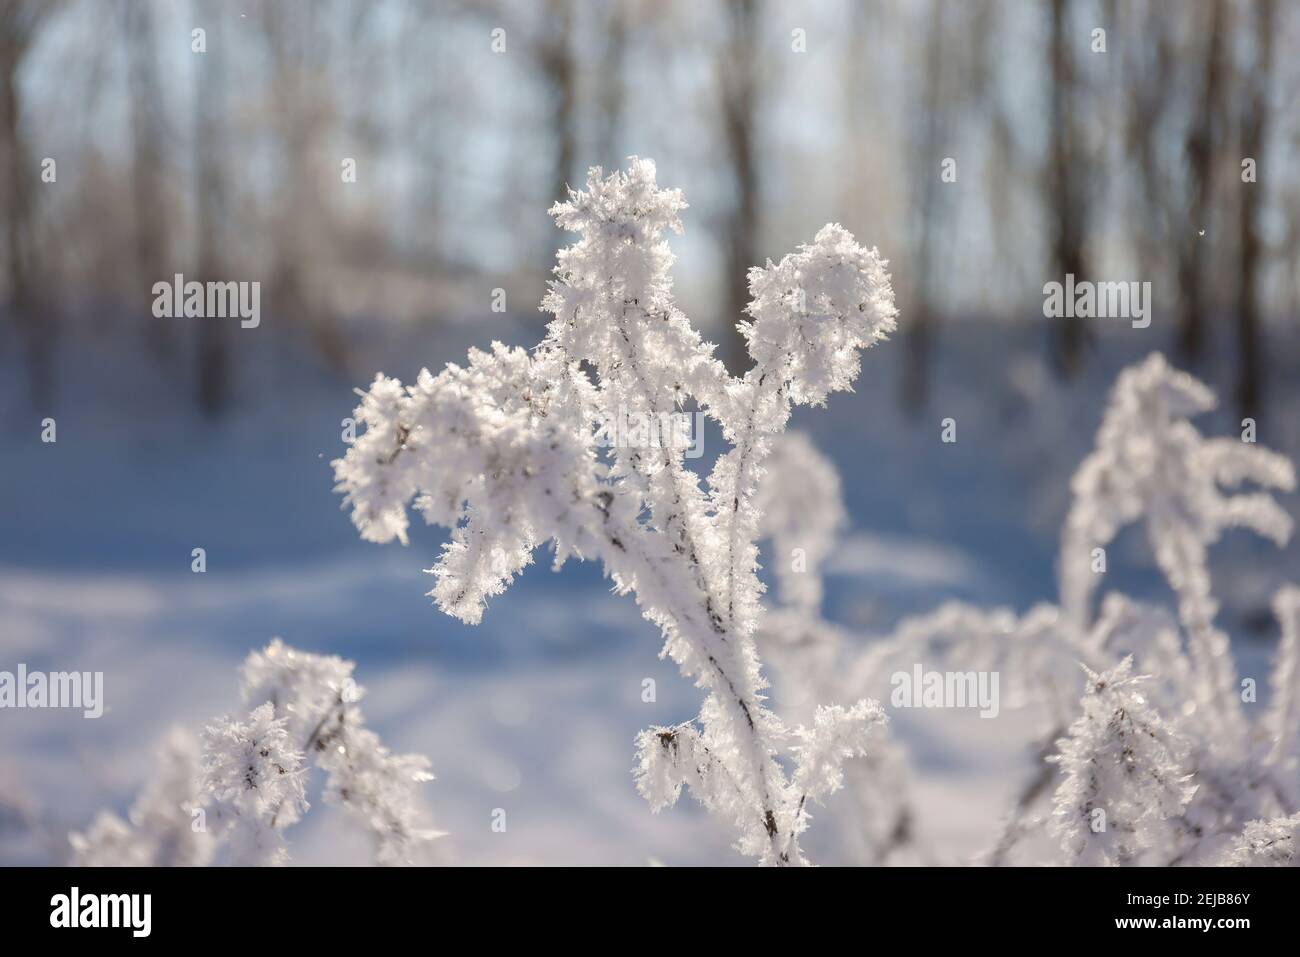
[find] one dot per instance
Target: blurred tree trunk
(1249, 390)
(152, 226)
(611, 93)
(738, 104)
(1202, 137)
(919, 326)
(560, 70)
(301, 113)
(20, 21)
(1067, 188)
(864, 23)
(212, 370)
(1148, 73)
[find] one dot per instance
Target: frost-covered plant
(159, 830)
(248, 782)
(110, 842)
(1273, 843)
(513, 450)
(317, 698)
(1242, 778)
(1282, 724)
(1125, 773)
(1152, 465)
(802, 511)
(815, 659)
(253, 781)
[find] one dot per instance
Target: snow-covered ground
(533, 711)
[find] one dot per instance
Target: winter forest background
(1123, 162)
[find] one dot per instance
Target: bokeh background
(773, 118)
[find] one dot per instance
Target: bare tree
(558, 65)
(957, 100)
(550, 41)
(212, 369)
(1254, 118)
(152, 235)
(931, 119)
(1202, 137)
(303, 114)
(20, 21)
(1148, 73)
(1067, 185)
(738, 101)
(611, 93)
